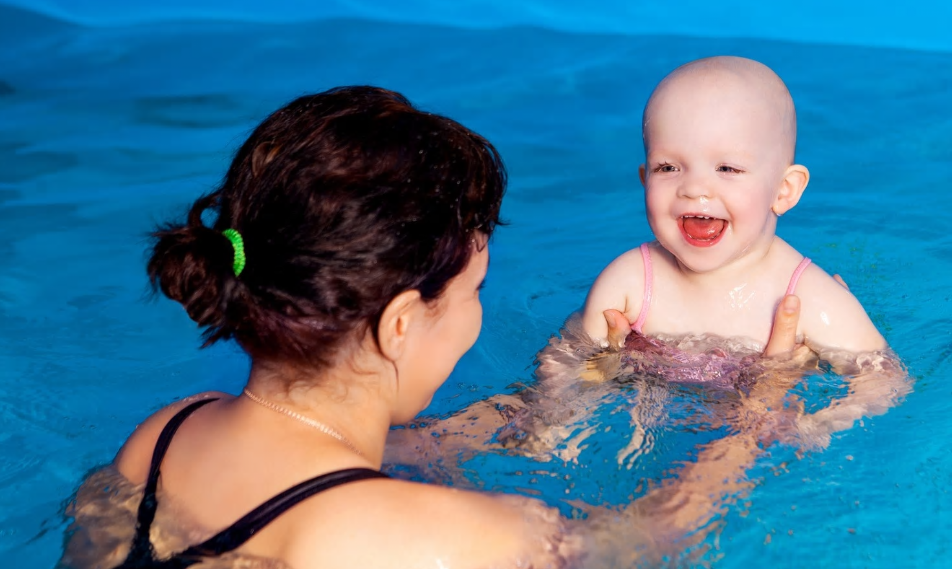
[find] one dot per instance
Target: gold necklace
(306, 420)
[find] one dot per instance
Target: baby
(719, 138)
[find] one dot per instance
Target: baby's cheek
(655, 214)
(654, 201)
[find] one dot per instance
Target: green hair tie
(239, 246)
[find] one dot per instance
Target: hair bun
(192, 265)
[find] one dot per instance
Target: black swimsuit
(142, 556)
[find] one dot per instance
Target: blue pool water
(105, 130)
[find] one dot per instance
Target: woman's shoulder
(134, 457)
(393, 523)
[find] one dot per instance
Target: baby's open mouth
(701, 230)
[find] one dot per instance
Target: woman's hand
(783, 335)
(618, 328)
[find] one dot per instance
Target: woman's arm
(877, 382)
(438, 444)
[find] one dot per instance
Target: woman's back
(227, 459)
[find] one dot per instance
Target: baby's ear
(795, 180)
(641, 174)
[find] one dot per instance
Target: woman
(346, 255)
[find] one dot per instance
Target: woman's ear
(795, 180)
(396, 323)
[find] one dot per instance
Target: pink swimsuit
(649, 276)
(715, 366)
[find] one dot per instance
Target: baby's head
(719, 136)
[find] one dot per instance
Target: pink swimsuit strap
(646, 258)
(796, 275)
(649, 277)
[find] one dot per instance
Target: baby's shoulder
(831, 316)
(818, 285)
(623, 286)
(630, 261)
(805, 276)
(631, 267)
(619, 284)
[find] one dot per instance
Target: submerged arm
(877, 382)
(677, 513)
(672, 515)
(438, 445)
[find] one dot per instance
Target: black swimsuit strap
(141, 546)
(242, 530)
(142, 555)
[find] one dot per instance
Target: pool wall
(915, 24)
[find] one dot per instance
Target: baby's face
(715, 161)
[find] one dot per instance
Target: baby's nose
(693, 187)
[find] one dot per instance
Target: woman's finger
(618, 327)
(783, 335)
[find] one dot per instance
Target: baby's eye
(665, 167)
(728, 169)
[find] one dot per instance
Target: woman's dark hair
(344, 199)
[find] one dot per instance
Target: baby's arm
(618, 287)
